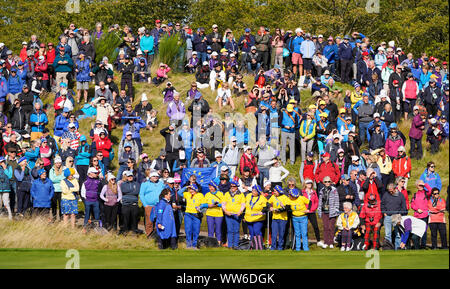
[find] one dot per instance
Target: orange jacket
(401, 167)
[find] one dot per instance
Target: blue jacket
(84, 68)
(137, 126)
(5, 184)
(164, 216)
(147, 43)
(345, 51)
(199, 46)
(358, 168)
(241, 136)
(32, 157)
(296, 43)
(316, 115)
(63, 67)
(14, 84)
(382, 126)
(273, 113)
(83, 155)
(40, 117)
(292, 121)
(331, 53)
(187, 137)
(149, 192)
(249, 44)
(432, 179)
(424, 80)
(42, 193)
(3, 88)
(60, 124)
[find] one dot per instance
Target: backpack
(244, 244)
(208, 242)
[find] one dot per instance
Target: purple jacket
(91, 186)
(392, 145)
(176, 112)
(416, 131)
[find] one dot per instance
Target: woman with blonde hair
(56, 175)
(70, 164)
(69, 203)
(111, 195)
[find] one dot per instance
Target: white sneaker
(320, 244)
(324, 246)
(331, 247)
(348, 249)
(342, 249)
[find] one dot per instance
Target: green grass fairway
(221, 259)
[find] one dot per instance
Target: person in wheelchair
(347, 224)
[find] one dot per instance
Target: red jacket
(249, 162)
(51, 55)
(42, 67)
(308, 170)
(103, 145)
(401, 166)
(371, 214)
(405, 194)
(327, 169)
(23, 54)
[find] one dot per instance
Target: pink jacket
(420, 201)
(392, 146)
(162, 72)
(313, 198)
(436, 216)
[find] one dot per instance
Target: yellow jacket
(233, 204)
(355, 97)
(278, 203)
(386, 166)
(67, 193)
(353, 221)
(299, 206)
(211, 199)
(254, 206)
(193, 201)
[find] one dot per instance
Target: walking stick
(268, 223)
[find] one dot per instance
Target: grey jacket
(230, 155)
(264, 154)
(365, 112)
(333, 202)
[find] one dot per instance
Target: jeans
(91, 206)
(301, 232)
(388, 232)
(363, 130)
(278, 229)
(202, 56)
(249, 67)
(214, 227)
(192, 229)
(255, 228)
(233, 224)
(263, 173)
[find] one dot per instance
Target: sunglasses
(70, 161)
(95, 160)
(431, 166)
(327, 182)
